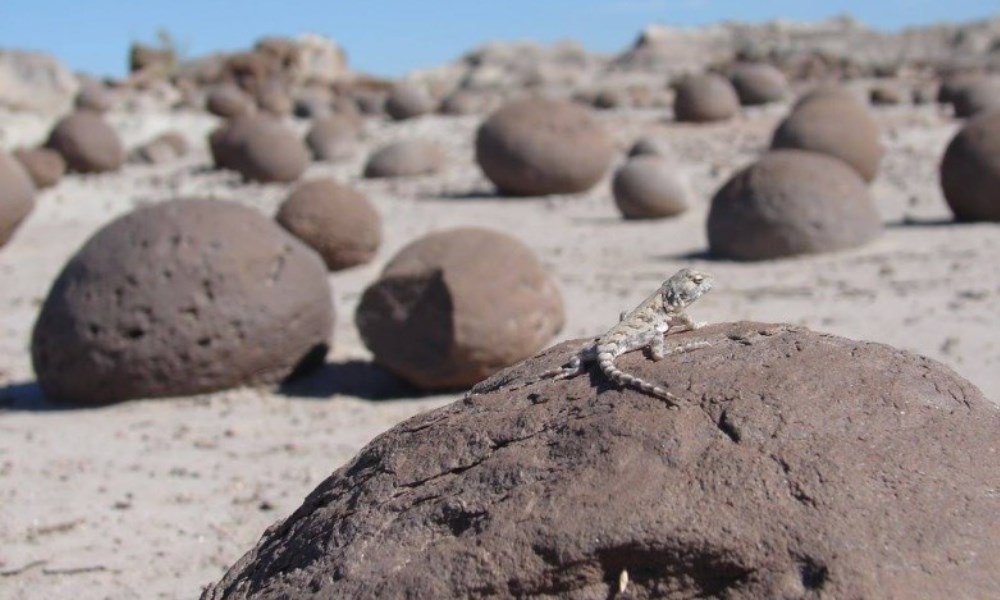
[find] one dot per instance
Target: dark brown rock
(649, 187)
(46, 167)
(228, 101)
(87, 143)
(759, 83)
(975, 96)
(181, 298)
(705, 98)
(260, 148)
(408, 158)
(970, 170)
(336, 221)
(538, 146)
(886, 94)
(797, 465)
(334, 138)
(834, 124)
(455, 306)
(275, 100)
(17, 195)
(406, 101)
(791, 202)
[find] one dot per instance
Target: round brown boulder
(334, 137)
(405, 159)
(705, 98)
(975, 96)
(179, 298)
(648, 187)
(86, 143)
(455, 306)
(539, 146)
(336, 221)
(93, 97)
(46, 167)
(797, 465)
(468, 102)
(759, 83)
(970, 170)
(791, 202)
(406, 101)
(260, 148)
(837, 125)
(228, 101)
(275, 100)
(17, 195)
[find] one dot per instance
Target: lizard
(645, 326)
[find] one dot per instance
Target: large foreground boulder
(455, 306)
(796, 465)
(17, 195)
(179, 298)
(791, 202)
(970, 170)
(538, 146)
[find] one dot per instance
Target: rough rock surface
(791, 202)
(649, 187)
(797, 465)
(87, 143)
(17, 195)
(35, 82)
(833, 124)
(336, 221)
(455, 306)
(970, 170)
(178, 298)
(407, 158)
(705, 98)
(46, 167)
(538, 146)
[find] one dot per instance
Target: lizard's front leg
(657, 347)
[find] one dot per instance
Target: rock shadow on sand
(357, 378)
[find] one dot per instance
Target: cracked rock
(797, 465)
(180, 298)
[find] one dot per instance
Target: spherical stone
(886, 94)
(797, 465)
(275, 100)
(94, 97)
(791, 202)
(538, 146)
(406, 101)
(648, 187)
(260, 148)
(455, 306)
(87, 143)
(648, 145)
(17, 195)
(705, 98)
(836, 125)
(975, 96)
(182, 297)
(828, 91)
(46, 167)
(228, 101)
(970, 170)
(405, 159)
(334, 138)
(336, 221)
(759, 83)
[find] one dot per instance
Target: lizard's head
(684, 287)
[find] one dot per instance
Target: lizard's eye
(697, 279)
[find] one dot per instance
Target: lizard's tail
(605, 361)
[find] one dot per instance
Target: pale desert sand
(155, 499)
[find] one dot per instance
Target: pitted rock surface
(180, 298)
(798, 465)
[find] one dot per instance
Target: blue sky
(390, 37)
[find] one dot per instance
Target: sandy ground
(155, 499)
